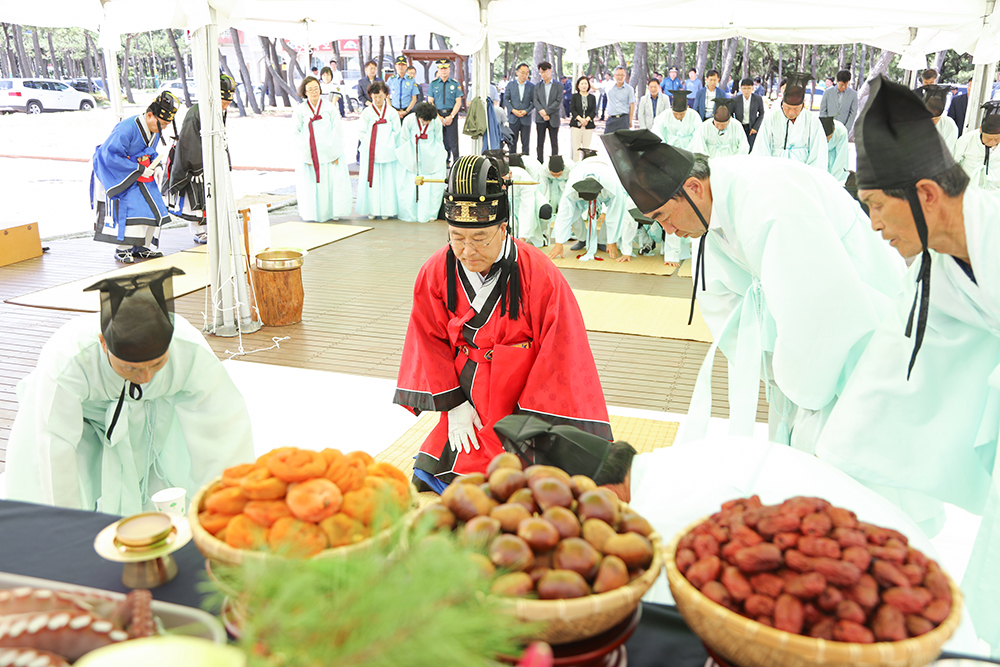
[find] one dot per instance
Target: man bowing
(495, 330)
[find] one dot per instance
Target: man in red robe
(495, 330)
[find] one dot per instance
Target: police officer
(447, 96)
(403, 89)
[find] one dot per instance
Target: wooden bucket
(279, 291)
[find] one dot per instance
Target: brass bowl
(280, 260)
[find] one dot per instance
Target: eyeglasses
(460, 244)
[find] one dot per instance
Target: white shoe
(371, 217)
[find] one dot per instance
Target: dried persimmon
(233, 476)
(214, 522)
(314, 499)
(331, 455)
(266, 512)
(262, 485)
(383, 469)
(227, 500)
(342, 530)
(364, 457)
(348, 474)
(243, 533)
(297, 539)
(360, 504)
(296, 465)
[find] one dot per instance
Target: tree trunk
(842, 58)
(539, 56)
(22, 57)
(87, 63)
(880, 67)
(506, 59)
(745, 67)
(52, 58)
(680, 59)
(621, 55)
(728, 56)
(335, 45)
(245, 73)
(6, 57)
(293, 66)
(781, 64)
(236, 95)
(590, 64)
(863, 65)
(717, 60)
(278, 83)
(181, 70)
(392, 49)
(381, 54)
(126, 65)
(100, 62)
(559, 61)
(640, 68)
(701, 59)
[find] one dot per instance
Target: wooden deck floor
(357, 302)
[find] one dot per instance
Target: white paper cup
(171, 501)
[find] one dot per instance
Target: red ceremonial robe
(539, 364)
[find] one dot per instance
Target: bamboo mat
(304, 235)
(641, 315)
(646, 435)
(685, 270)
(71, 296)
(646, 264)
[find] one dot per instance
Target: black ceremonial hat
(164, 106)
(137, 313)
(640, 218)
(588, 152)
(991, 118)
(827, 123)
(935, 98)
(588, 188)
(723, 109)
(897, 142)
(679, 99)
(226, 87)
(795, 88)
(475, 197)
(514, 160)
(498, 155)
(557, 164)
(651, 171)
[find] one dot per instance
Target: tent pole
(979, 92)
(226, 259)
(111, 43)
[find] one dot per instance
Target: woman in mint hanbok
(378, 168)
(323, 183)
(420, 151)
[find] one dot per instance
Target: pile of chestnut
(543, 533)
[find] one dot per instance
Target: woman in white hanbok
(323, 183)
(378, 168)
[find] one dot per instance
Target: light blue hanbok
(709, 141)
(377, 190)
(619, 226)
(837, 153)
(420, 152)
(328, 196)
(802, 140)
(677, 133)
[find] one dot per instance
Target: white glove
(147, 172)
(462, 424)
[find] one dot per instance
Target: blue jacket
(699, 100)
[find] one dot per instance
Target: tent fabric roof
(965, 25)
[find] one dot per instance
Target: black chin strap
(135, 392)
(452, 280)
(986, 160)
(923, 292)
(699, 267)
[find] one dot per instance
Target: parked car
(81, 85)
(177, 89)
(37, 95)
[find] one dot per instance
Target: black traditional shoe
(579, 245)
(602, 247)
(145, 253)
(125, 256)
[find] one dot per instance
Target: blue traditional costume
(130, 209)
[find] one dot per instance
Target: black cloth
(553, 139)
(449, 134)
(363, 84)
(576, 109)
(756, 110)
(58, 544)
(186, 162)
(957, 110)
(524, 131)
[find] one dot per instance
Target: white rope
(241, 352)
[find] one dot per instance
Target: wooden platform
(357, 303)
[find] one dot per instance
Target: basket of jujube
(807, 583)
(561, 550)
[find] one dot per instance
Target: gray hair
(699, 170)
(621, 68)
(953, 181)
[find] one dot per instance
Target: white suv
(37, 95)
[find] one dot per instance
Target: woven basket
(742, 641)
(215, 549)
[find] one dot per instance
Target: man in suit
(519, 100)
(840, 102)
(548, 100)
(704, 99)
(958, 108)
(567, 93)
(749, 110)
(652, 105)
(368, 79)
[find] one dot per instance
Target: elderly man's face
(711, 82)
(792, 111)
(991, 140)
(673, 74)
(678, 218)
(522, 74)
(154, 124)
(720, 125)
(619, 76)
(841, 86)
(654, 88)
(679, 115)
(894, 219)
(477, 249)
(139, 372)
